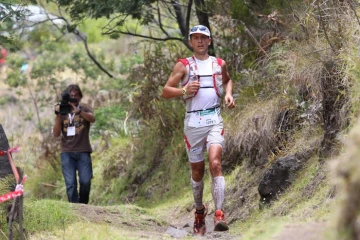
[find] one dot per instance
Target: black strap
(205, 75)
(213, 108)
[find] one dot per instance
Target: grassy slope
(167, 195)
(128, 221)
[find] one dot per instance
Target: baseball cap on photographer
(200, 29)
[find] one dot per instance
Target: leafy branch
(83, 38)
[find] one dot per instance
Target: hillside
(290, 158)
(131, 222)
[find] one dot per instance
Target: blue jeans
(81, 162)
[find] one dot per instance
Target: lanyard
(71, 117)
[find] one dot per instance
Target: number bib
(204, 118)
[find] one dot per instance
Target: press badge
(204, 118)
(71, 129)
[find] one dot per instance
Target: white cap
(199, 29)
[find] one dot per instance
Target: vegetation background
(295, 68)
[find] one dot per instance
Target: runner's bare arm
(228, 86)
(171, 89)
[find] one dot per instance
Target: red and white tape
(19, 189)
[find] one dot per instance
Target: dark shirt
(80, 142)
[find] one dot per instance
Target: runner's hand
(193, 87)
(229, 101)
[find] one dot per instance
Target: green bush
(129, 62)
(241, 12)
(109, 118)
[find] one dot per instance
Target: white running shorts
(196, 139)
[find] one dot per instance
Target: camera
(64, 106)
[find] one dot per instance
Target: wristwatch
(184, 91)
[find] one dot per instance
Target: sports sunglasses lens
(194, 29)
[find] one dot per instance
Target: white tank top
(206, 97)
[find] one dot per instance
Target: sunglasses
(194, 29)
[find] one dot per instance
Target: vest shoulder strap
(219, 61)
(184, 61)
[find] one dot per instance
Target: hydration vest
(193, 74)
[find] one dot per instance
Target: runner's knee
(215, 167)
(197, 171)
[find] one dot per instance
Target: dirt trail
(303, 231)
(180, 226)
(184, 223)
(147, 228)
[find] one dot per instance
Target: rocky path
(180, 226)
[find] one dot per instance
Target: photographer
(73, 123)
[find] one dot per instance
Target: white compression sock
(198, 188)
(218, 191)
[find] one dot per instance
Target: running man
(203, 80)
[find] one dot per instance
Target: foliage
(97, 9)
(92, 28)
(173, 173)
(110, 167)
(8, 17)
(227, 37)
(119, 85)
(128, 63)
(83, 66)
(345, 167)
(161, 120)
(49, 184)
(241, 11)
(15, 79)
(163, 20)
(116, 11)
(6, 184)
(110, 118)
(41, 215)
(7, 100)
(43, 69)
